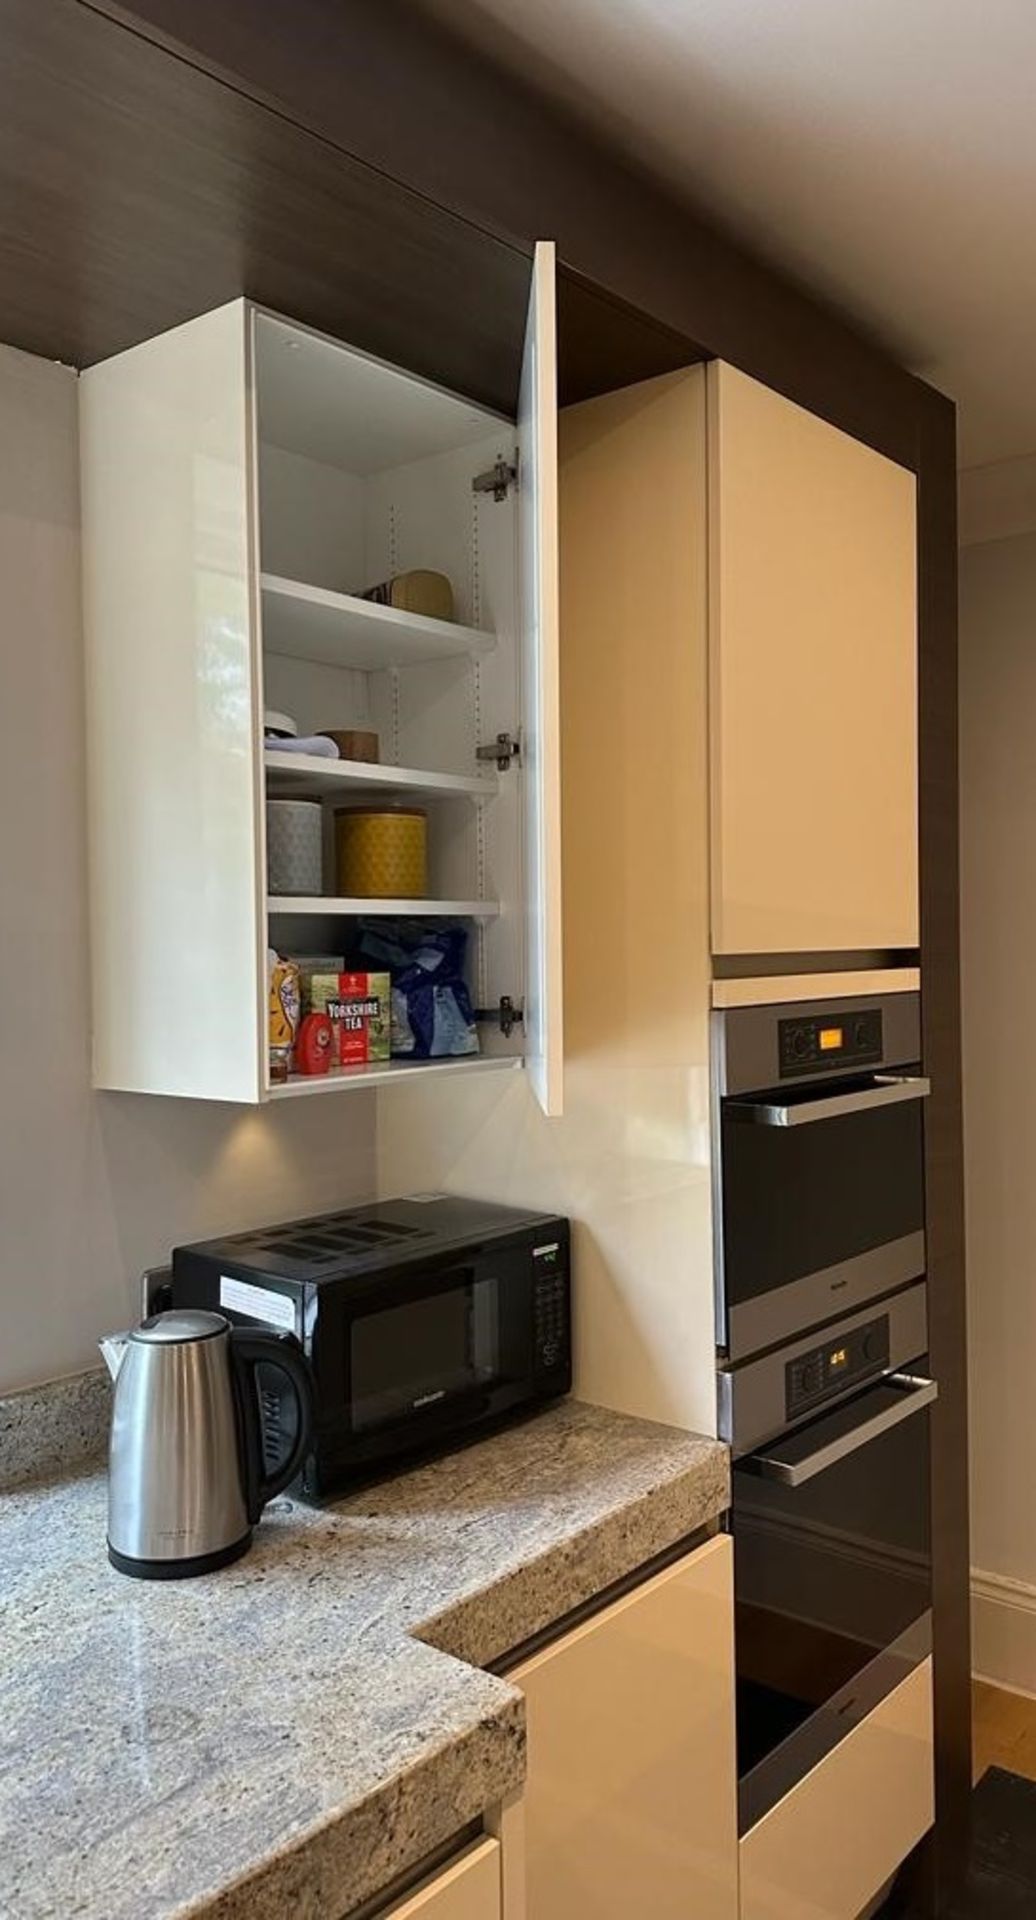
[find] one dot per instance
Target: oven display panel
(814, 1377)
(811, 1043)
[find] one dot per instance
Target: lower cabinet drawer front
(834, 1840)
(630, 1805)
(467, 1890)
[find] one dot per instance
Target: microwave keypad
(551, 1307)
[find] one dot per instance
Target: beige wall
(95, 1186)
(629, 1161)
(998, 846)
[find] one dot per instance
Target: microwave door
(422, 1353)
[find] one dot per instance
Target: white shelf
(312, 623)
(380, 1071)
(316, 903)
(301, 773)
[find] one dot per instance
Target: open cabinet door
(541, 717)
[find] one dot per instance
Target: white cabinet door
(630, 1797)
(469, 1890)
(813, 681)
(177, 942)
(829, 1846)
(541, 727)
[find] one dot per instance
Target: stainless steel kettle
(187, 1479)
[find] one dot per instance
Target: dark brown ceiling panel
(136, 191)
(397, 90)
(604, 344)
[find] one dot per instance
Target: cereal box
(358, 1006)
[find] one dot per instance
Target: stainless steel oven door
(820, 1168)
(832, 1571)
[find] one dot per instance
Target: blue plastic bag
(432, 1014)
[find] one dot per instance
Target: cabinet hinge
(505, 1015)
(505, 749)
(497, 478)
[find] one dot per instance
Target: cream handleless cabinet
(813, 681)
(827, 1849)
(246, 484)
(470, 1889)
(630, 1795)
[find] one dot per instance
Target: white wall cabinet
(244, 480)
(813, 681)
(470, 1889)
(630, 1796)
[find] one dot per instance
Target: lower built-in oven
(819, 1162)
(831, 1523)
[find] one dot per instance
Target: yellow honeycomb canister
(382, 852)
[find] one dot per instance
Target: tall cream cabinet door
(467, 1890)
(813, 681)
(630, 1796)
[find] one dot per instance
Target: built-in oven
(831, 1523)
(818, 1162)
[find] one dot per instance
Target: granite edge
(480, 1628)
(53, 1429)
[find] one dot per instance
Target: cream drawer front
(469, 1890)
(630, 1805)
(831, 1844)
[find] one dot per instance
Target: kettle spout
(113, 1351)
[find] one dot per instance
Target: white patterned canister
(294, 846)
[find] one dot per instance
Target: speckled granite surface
(288, 1735)
(54, 1428)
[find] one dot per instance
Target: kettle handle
(251, 1347)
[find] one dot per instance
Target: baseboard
(1003, 1631)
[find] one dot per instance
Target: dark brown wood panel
(136, 191)
(944, 1151)
(603, 344)
(383, 82)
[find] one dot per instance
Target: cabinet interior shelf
(380, 1071)
(313, 623)
(318, 903)
(299, 773)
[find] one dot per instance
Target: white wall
(998, 848)
(93, 1187)
(629, 1162)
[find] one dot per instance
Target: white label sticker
(260, 1303)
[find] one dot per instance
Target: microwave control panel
(829, 1042)
(551, 1309)
(816, 1376)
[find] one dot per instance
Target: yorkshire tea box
(359, 1007)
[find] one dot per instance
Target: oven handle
(917, 1392)
(888, 1090)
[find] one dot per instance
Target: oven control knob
(871, 1346)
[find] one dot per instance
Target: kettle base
(179, 1569)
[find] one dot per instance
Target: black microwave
(424, 1319)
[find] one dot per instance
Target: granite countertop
(290, 1734)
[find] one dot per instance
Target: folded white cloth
(316, 744)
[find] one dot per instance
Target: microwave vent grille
(327, 1241)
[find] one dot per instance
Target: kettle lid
(181, 1324)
